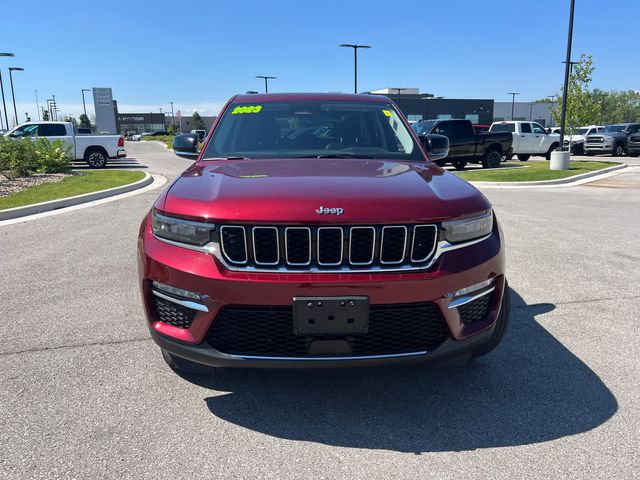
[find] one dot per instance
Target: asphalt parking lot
(86, 394)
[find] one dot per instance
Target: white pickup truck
(529, 138)
(96, 150)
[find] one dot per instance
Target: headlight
(180, 230)
(456, 231)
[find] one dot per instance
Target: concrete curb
(27, 210)
(560, 182)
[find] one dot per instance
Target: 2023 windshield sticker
(246, 109)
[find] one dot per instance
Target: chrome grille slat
(341, 248)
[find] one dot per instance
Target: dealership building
(425, 106)
(154, 122)
(526, 111)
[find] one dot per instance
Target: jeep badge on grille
(329, 211)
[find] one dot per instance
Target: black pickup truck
(465, 145)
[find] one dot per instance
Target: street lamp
(13, 95)
(355, 62)
(172, 125)
(602, 109)
(266, 81)
(4, 104)
(513, 101)
(84, 106)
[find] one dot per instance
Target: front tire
(95, 158)
(502, 323)
(459, 164)
(524, 158)
(551, 149)
(618, 150)
(491, 158)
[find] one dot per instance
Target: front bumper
(202, 273)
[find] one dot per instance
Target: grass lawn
(531, 171)
(77, 184)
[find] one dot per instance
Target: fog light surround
(471, 293)
(179, 292)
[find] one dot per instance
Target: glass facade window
(474, 117)
(444, 116)
(414, 118)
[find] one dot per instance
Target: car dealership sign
(105, 113)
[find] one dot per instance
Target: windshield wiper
(341, 155)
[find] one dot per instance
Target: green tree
(197, 122)
(84, 121)
(69, 118)
(582, 107)
(617, 107)
(45, 115)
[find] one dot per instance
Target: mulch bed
(9, 186)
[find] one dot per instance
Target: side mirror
(436, 146)
(16, 134)
(186, 145)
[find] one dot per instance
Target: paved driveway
(85, 393)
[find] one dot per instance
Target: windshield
(423, 128)
(580, 131)
(503, 127)
(299, 129)
(613, 128)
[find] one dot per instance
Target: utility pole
(552, 97)
(513, 102)
(172, 124)
(4, 104)
(266, 81)
(13, 95)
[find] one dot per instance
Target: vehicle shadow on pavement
(531, 389)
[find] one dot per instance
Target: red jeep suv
(313, 230)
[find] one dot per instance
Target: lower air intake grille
(268, 331)
(173, 314)
(475, 311)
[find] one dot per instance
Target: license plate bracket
(330, 315)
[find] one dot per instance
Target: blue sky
(200, 53)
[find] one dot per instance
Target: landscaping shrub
(166, 139)
(52, 157)
(19, 158)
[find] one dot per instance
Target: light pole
(13, 95)
(602, 109)
(172, 124)
(567, 69)
(355, 62)
(38, 105)
(398, 90)
(84, 106)
(4, 104)
(266, 81)
(553, 98)
(513, 102)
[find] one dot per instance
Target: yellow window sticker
(387, 112)
(246, 109)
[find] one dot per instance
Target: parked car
(319, 251)
(576, 139)
(633, 145)
(138, 136)
(480, 128)
(201, 134)
(612, 139)
(465, 144)
(159, 133)
(96, 150)
(529, 138)
(556, 130)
